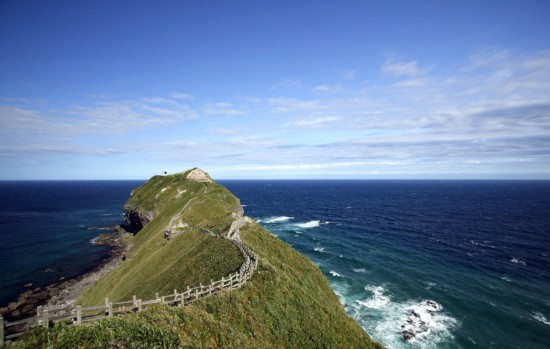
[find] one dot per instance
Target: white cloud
(283, 104)
(313, 122)
(491, 114)
(398, 69)
(327, 88)
(222, 108)
(300, 166)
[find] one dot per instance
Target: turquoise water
(461, 264)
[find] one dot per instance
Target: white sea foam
(378, 299)
(93, 241)
(335, 274)
(517, 261)
(319, 249)
(540, 317)
(310, 224)
(275, 219)
(426, 319)
(360, 270)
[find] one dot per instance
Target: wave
(540, 317)
(93, 241)
(517, 261)
(310, 224)
(424, 322)
(335, 274)
(360, 270)
(319, 249)
(274, 219)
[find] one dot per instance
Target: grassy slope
(288, 303)
(192, 257)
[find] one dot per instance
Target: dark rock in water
(414, 313)
(407, 335)
(433, 306)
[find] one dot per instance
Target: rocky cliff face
(134, 219)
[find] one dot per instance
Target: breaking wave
(335, 274)
(517, 261)
(310, 224)
(275, 219)
(424, 322)
(540, 317)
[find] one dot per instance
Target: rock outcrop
(134, 219)
(199, 175)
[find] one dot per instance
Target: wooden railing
(45, 316)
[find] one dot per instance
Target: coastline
(66, 291)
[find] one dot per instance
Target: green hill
(287, 303)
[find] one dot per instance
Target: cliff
(286, 303)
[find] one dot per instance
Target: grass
(287, 304)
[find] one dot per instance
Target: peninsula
(199, 273)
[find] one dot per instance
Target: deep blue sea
(44, 229)
(462, 264)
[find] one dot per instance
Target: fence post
(139, 305)
(1, 330)
(39, 315)
(162, 301)
(78, 314)
(157, 296)
(45, 320)
(110, 309)
(223, 283)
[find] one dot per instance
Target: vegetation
(288, 302)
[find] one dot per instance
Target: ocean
(459, 264)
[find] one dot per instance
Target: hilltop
(182, 225)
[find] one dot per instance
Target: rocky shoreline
(66, 291)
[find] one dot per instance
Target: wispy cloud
(222, 108)
(313, 122)
(490, 115)
(321, 89)
(398, 68)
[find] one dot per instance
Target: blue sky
(275, 89)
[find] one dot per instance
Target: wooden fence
(45, 316)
